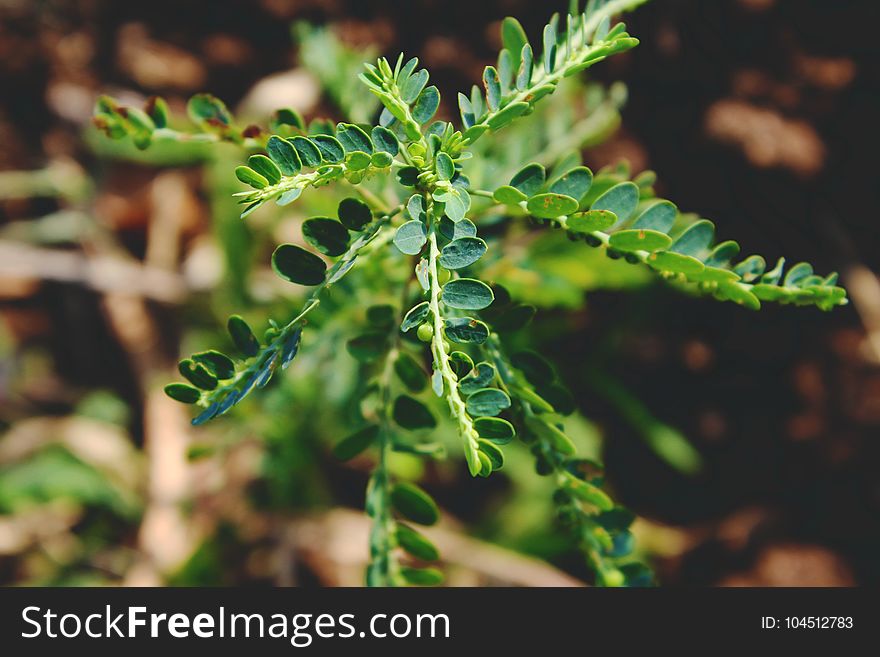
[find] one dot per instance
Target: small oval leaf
(487, 402)
(462, 252)
(414, 503)
(349, 447)
(410, 237)
(551, 205)
(465, 330)
(183, 393)
(467, 294)
(621, 199)
(284, 155)
(495, 429)
(640, 239)
(327, 235)
(293, 263)
(410, 413)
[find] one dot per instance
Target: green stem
(383, 569)
(441, 359)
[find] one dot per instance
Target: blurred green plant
(428, 310)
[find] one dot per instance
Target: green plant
(416, 213)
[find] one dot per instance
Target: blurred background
(747, 443)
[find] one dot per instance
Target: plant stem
(441, 358)
(383, 569)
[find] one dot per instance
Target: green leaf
(426, 105)
(513, 37)
(467, 294)
(293, 263)
(331, 150)
(384, 140)
(454, 230)
(288, 116)
(250, 177)
(772, 277)
(415, 207)
(529, 179)
(735, 292)
(353, 138)
(485, 464)
(797, 273)
(415, 316)
(589, 493)
(524, 77)
(462, 252)
(410, 413)
(676, 263)
(284, 155)
(508, 195)
(507, 114)
(658, 216)
(287, 197)
(349, 447)
(594, 220)
(157, 109)
(243, 336)
(550, 45)
(410, 372)
(552, 434)
(265, 167)
(575, 183)
(551, 205)
(308, 152)
(467, 111)
(640, 239)
(621, 199)
(358, 160)
(495, 429)
(408, 176)
(422, 576)
(413, 86)
(487, 402)
(197, 374)
(461, 363)
(368, 346)
(456, 202)
(354, 214)
(220, 365)
(478, 378)
(493, 87)
(466, 330)
(722, 254)
(414, 503)
(411, 237)
(209, 112)
(416, 544)
(496, 456)
(183, 393)
(445, 166)
(695, 240)
(327, 235)
(751, 268)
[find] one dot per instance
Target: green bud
(425, 332)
